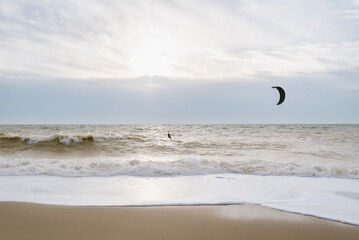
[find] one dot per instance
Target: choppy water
(145, 150)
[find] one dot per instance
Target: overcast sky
(203, 61)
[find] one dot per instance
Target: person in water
(169, 135)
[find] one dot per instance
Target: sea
(306, 169)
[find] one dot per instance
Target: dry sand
(36, 221)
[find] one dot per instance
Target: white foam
(336, 199)
(157, 166)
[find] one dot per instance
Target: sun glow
(152, 58)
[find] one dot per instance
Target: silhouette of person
(169, 135)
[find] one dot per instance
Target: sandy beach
(38, 221)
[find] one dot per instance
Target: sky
(178, 61)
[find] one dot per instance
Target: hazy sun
(152, 58)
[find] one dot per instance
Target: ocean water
(307, 169)
(145, 150)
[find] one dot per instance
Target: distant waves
(146, 150)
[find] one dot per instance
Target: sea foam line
(84, 167)
(335, 199)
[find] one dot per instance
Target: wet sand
(37, 221)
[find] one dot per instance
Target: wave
(76, 151)
(67, 139)
(136, 167)
(59, 138)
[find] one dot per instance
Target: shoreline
(333, 199)
(20, 220)
(186, 205)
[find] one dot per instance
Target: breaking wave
(63, 139)
(145, 150)
(136, 167)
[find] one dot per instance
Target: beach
(39, 221)
(207, 182)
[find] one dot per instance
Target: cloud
(198, 40)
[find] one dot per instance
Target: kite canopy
(281, 94)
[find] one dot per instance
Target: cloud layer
(178, 61)
(204, 40)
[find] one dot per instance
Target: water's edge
(327, 198)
